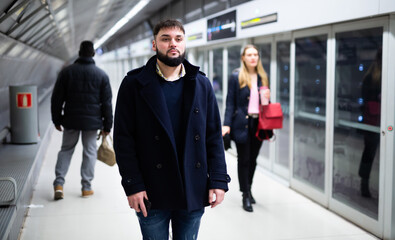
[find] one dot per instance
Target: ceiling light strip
(136, 9)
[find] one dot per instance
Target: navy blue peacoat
(145, 145)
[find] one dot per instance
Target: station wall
(23, 65)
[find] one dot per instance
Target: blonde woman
(241, 117)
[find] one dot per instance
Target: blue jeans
(185, 225)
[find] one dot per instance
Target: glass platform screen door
(275, 55)
(217, 77)
(282, 95)
(357, 175)
(309, 87)
(265, 52)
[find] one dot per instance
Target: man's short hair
(169, 23)
(86, 49)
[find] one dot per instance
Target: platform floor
(280, 212)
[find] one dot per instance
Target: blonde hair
(244, 76)
(375, 69)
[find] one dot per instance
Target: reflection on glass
(233, 59)
(217, 78)
(4, 47)
(309, 123)
(357, 119)
(265, 54)
(130, 64)
(265, 51)
(15, 50)
(200, 61)
(140, 62)
(282, 136)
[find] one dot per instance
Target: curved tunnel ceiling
(58, 26)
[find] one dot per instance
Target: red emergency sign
(24, 100)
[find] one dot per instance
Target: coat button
(196, 110)
(197, 137)
(246, 126)
(156, 138)
(246, 116)
(158, 166)
(198, 165)
(129, 181)
(248, 98)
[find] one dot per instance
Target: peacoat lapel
(189, 98)
(152, 93)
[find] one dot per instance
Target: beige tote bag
(106, 153)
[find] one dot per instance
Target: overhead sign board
(223, 26)
(259, 21)
(194, 37)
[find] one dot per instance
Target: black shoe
(247, 202)
(252, 199)
(365, 188)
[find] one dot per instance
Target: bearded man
(168, 140)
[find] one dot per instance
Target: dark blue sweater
(173, 92)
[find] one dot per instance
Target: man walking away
(81, 103)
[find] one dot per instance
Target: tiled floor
(280, 213)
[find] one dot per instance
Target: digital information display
(223, 26)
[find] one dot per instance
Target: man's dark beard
(169, 61)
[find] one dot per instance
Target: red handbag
(270, 117)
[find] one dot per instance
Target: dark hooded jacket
(82, 97)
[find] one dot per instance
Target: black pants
(372, 141)
(247, 154)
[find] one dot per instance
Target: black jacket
(81, 99)
(236, 112)
(145, 145)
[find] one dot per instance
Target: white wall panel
(123, 53)
(387, 6)
(141, 48)
(194, 28)
(293, 15)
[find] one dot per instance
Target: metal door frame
(389, 181)
(372, 225)
(277, 168)
(311, 192)
(270, 163)
(267, 163)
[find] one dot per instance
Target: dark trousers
(372, 141)
(247, 154)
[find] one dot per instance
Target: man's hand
(225, 130)
(219, 196)
(59, 128)
(104, 133)
(136, 201)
